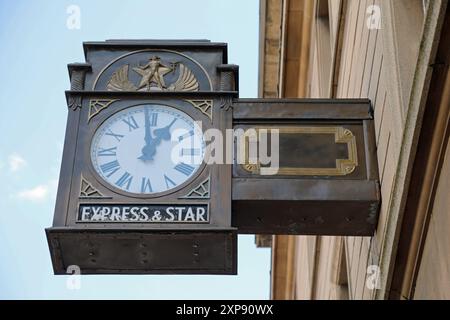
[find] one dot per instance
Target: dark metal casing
(327, 183)
(201, 86)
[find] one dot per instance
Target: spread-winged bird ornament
(152, 79)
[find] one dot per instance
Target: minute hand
(148, 134)
(149, 149)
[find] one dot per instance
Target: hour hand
(164, 133)
(148, 152)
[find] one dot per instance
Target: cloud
(39, 193)
(16, 162)
(35, 194)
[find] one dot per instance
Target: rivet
(319, 220)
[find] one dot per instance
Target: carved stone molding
(226, 103)
(228, 77)
(77, 73)
(74, 102)
(77, 80)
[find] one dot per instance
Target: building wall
(434, 275)
(389, 65)
(363, 74)
(360, 73)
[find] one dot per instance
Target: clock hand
(164, 133)
(148, 134)
(149, 149)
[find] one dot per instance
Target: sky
(35, 47)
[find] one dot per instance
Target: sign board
(153, 213)
(159, 172)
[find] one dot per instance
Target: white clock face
(141, 149)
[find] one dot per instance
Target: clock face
(147, 149)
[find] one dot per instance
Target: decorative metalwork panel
(205, 106)
(153, 70)
(152, 77)
(88, 191)
(200, 192)
(96, 106)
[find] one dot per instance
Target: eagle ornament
(152, 77)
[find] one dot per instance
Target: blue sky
(35, 48)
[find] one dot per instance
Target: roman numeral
(169, 181)
(153, 119)
(131, 122)
(186, 135)
(117, 136)
(190, 152)
(184, 168)
(146, 185)
(107, 152)
(110, 168)
(124, 180)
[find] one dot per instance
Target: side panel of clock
(87, 188)
(65, 184)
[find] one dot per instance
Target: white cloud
(38, 193)
(16, 162)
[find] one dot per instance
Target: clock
(147, 149)
(142, 187)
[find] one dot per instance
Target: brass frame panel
(343, 166)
